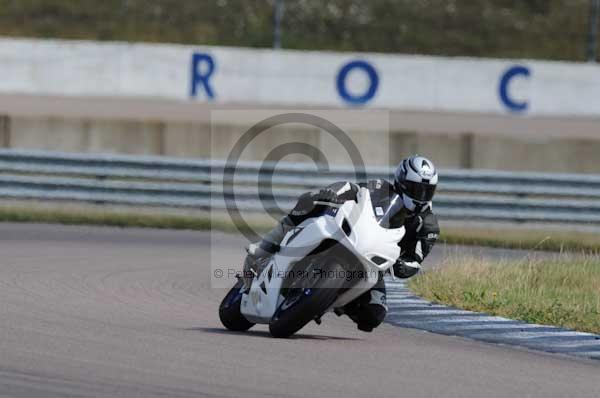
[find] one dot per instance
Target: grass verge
(120, 219)
(558, 241)
(561, 292)
(510, 239)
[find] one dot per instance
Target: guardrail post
(277, 18)
(4, 131)
(592, 39)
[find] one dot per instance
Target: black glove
(306, 204)
(406, 269)
(327, 195)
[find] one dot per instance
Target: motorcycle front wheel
(307, 298)
(229, 310)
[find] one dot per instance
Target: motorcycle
(324, 263)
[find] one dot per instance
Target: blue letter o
(373, 82)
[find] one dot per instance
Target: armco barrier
(159, 181)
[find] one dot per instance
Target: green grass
(14, 214)
(511, 239)
(119, 219)
(545, 240)
(561, 292)
(548, 29)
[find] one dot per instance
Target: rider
(414, 184)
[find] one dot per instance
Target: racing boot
(260, 252)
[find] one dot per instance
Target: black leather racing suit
(422, 231)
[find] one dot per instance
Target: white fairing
(366, 240)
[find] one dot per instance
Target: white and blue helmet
(416, 179)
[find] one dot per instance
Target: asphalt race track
(101, 312)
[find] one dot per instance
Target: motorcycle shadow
(266, 334)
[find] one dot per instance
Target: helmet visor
(419, 191)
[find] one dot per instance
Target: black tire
(323, 293)
(229, 310)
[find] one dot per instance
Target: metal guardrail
(159, 181)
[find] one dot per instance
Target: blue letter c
(505, 80)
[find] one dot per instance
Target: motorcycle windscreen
(395, 213)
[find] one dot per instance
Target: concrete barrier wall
(298, 78)
(158, 99)
(194, 139)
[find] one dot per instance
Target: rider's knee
(377, 311)
(372, 315)
(371, 311)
